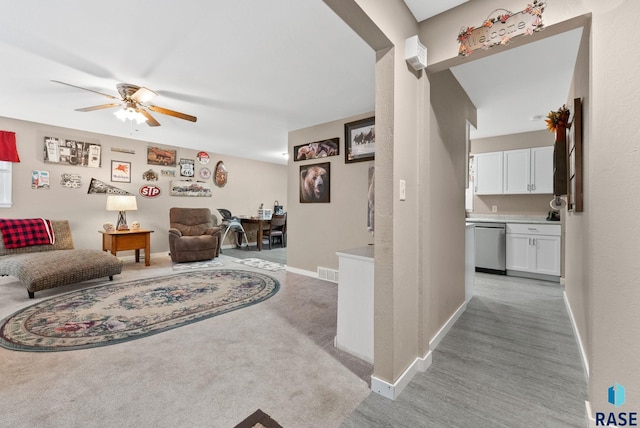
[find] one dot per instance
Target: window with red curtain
(8, 149)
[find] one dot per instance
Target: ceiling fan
(133, 101)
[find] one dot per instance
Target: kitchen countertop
(509, 219)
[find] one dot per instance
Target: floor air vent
(327, 274)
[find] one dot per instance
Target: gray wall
(419, 247)
(250, 183)
(601, 279)
(577, 273)
(318, 230)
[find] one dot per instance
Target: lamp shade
(121, 203)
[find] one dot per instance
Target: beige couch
(40, 267)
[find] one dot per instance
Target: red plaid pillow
(18, 233)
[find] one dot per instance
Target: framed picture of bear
(360, 140)
(315, 183)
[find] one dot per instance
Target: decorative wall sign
(100, 187)
(121, 171)
(360, 140)
(70, 152)
(120, 150)
(221, 174)
(168, 172)
(319, 149)
(187, 167)
(150, 191)
(158, 156)
(40, 180)
(190, 188)
(150, 175)
(203, 157)
(70, 181)
(205, 173)
(501, 28)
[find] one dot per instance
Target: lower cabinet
(355, 302)
(533, 248)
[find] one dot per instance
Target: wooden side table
(121, 240)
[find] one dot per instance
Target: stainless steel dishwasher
(491, 248)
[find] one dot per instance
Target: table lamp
(122, 204)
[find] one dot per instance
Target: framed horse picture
(360, 140)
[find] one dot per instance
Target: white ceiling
(514, 90)
(423, 9)
(250, 70)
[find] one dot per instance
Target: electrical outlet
(494, 208)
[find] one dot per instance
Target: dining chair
(277, 228)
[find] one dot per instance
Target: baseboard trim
(303, 272)
(435, 340)
(576, 333)
(235, 247)
(393, 390)
(132, 257)
(591, 421)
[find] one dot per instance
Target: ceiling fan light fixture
(129, 111)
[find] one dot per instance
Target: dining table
(261, 222)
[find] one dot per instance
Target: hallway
(511, 360)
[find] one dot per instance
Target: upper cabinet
(528, 171)
(517, 171)
(513, 172)
(542, 170)
(488, 174)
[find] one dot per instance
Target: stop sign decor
(150, 191)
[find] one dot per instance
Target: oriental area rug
(262, 264)
(115, 313)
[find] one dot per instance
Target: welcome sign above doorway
(501, 28)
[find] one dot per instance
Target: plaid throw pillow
(18, 233)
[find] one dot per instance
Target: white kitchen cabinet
(517, 171)
(488, 173)
(533, 248)
(528, 170)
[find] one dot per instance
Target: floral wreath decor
(554, 118)
(536, 8)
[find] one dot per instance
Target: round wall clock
(205, 173)
(221, 174)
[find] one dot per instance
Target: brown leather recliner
(192, 235)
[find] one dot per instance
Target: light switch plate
(403, 190)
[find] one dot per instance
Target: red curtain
(8, 149)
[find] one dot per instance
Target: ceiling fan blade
(143, 95)
(150, 120)
(86, 89)
(173, 113)
(100, 107)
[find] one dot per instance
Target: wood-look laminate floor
(511, 360)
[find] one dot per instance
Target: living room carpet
(114, 313)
